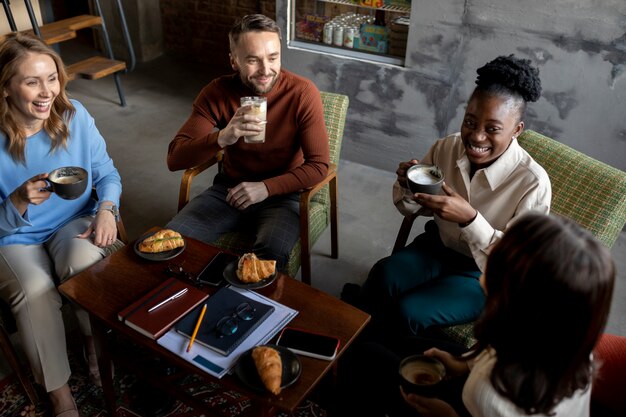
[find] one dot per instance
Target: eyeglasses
(179, 272)
(228, 325)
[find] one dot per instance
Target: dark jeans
(274, 222)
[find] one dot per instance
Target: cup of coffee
(421, 375)
(258, 108)
(68, 183)
(424, 178)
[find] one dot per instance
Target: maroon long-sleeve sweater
(295, 154)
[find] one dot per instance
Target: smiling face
(489, 124)
(256, 56)
(32, 90)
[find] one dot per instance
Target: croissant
(252, 269)
(161, 241)
(269, 366)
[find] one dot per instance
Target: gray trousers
(28, 278)
(274, 222)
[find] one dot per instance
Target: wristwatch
(112, 208)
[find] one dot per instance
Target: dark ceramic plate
(230, 275)
(247, 373)
(158, 256)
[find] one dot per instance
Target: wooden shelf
(95, 68)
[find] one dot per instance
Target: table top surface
(110, 285)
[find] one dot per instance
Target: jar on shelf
(327, 37)
(338, 35)
(348, 37)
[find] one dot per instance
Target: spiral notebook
(224, 303)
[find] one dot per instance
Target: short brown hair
(252, 23)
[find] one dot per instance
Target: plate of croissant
(268, 368)
(250, 272)
(160, 246)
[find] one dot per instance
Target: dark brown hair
(252, 23)
(12, 52)
(549, 286)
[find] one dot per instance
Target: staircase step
(64, 29)
(95, 68)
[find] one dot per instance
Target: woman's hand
(454, 366)
(32, 191)
(103, 228)
(401, 171)
(451, 207)
(429, 407)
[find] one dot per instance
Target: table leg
(104, 364)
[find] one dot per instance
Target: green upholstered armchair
(585, 190)
(318, 204)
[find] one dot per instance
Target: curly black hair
(510, 75)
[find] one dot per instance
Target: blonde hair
(12, 52)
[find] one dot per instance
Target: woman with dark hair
(44, 238)
(549, 285)
(489, 182)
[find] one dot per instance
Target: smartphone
(308, 343)
(213, 273)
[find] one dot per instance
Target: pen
(195, 331)
(167, 300)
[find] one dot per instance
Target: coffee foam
(420, 373)
(423, 175)
(67, 180)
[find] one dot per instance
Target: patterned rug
(136, 399)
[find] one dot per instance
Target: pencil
(195, 331)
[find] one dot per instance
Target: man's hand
(242, 124)
(32, 191)
(401, 171)
(103, 228)
(451, 207)
(245, 194)
(429, 407)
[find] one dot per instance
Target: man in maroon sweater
(259, 187)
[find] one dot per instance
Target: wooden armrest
(403, 233)
(188, 176)
(308, 193)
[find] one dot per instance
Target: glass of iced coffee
(258, 108)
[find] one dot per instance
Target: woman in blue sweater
(45, 239)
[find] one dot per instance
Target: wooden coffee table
(113, 283)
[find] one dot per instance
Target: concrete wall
(20, 15)
(578, 45)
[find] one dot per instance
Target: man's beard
(255, 88)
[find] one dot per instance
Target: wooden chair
(318, 204)
(584, 189)
(7, 326)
